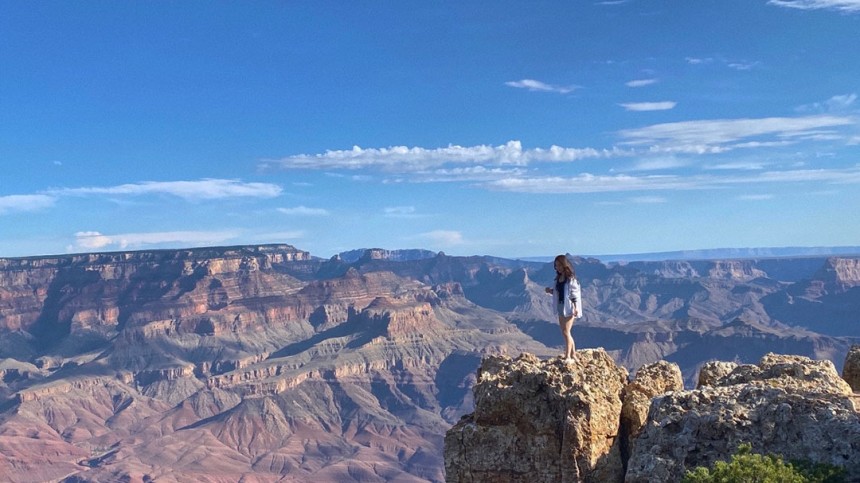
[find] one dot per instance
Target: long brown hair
(567, 271)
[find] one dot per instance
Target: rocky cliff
(540, 420)
(264, 363)
(246, 363)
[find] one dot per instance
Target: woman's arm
(576, 297)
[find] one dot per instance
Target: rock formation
(787, 405)
(540, 421)
(264, 363)
(851, 370)
(233, 364)
(527, 424)
(650, 381)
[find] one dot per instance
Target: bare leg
(566, 324)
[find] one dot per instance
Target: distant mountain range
(264, 362)
(720, 254)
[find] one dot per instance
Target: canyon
(265, 363)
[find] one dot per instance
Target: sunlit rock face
(544, 420)
(787, 405)
(262, 363)
(851, 370)
(650, 380)
(234, 364)
(92, 296)
(541, 420)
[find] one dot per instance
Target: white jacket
(572, 297)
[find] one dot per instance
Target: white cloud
(648, 199)
(649, 106)
(280, 236)
(841, 5)
(659, 163)
(400, 212)
(755, 197)
(698, 60)
(738, 166)
(841, 102)
(743, 65)
(403, 159)
(709, 136)
(641, 82)
(535, 85)
(24, 203)
(740, 65)
(443, 237)
(834, 104)
(470, 173)
(304, 211)
(94, 240)
(588, 183)
(204, 189)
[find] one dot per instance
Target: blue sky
(501, 128)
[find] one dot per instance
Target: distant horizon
(692, 254)
(590, 127)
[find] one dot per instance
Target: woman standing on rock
(568, 301)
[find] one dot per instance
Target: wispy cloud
(589, 183)
(304, 211)
(25, 203)
(755, 197)
(737, 166)
(401, 212)
(710, 136)
(280, 236)
(659, 163)
(744, 65)
(403, 159)
(653, 147)
(740, 65)
(204, 189)
(470, 173)
(538, 86)
(443, 237)
(840, 5)
(834, 104)
(698, 60)
(94, 240)
(647, 200)
(649, 106)
(641, 82)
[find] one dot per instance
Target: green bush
(748, 467)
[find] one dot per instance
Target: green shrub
(748, 467)
(820, 472)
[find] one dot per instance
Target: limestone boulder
(541, 420)
(713, 371)
(788, 405)
(851, 369)
(650, 380)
